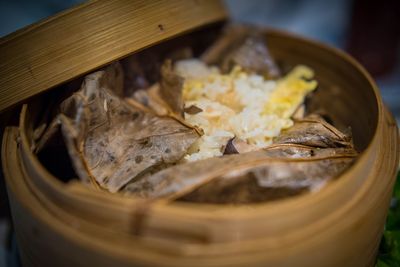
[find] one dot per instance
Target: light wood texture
(339, 226)
(91, 35)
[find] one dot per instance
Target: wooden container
(68, 224)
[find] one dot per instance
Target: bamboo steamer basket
(68, 224)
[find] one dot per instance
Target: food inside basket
(226, 127)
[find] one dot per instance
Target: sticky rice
(239, 105)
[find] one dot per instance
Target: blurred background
(367, 29)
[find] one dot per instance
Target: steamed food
(239, 105)
(227, 126)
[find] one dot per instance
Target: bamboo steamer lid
(81, 39)
(339, 226)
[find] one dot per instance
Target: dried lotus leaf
(180, 54)
(238, 146)
(238, 190)
(143, 69)
(271, 181)
(192, 110)
(180, 180)
(243, 46)
(164, 98)
(252, 56)
(228, 41)
(150, 99)
(311, 173)
(171, 86)
(135, 76)
(304, 151)
(114, 142)
(300, 112)
(230, 148)
(314, 131)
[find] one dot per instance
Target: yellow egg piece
(290, 92)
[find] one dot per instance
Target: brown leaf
(230, 148)
(114, 142)
(171, 86)
(289, 167)
(164, 98)
(239, 190)
(304, 151)
(192, 110)
(269, 181)
(314, 131)
(244, 46)
(237, 145)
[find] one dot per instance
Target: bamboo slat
(89, 36)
